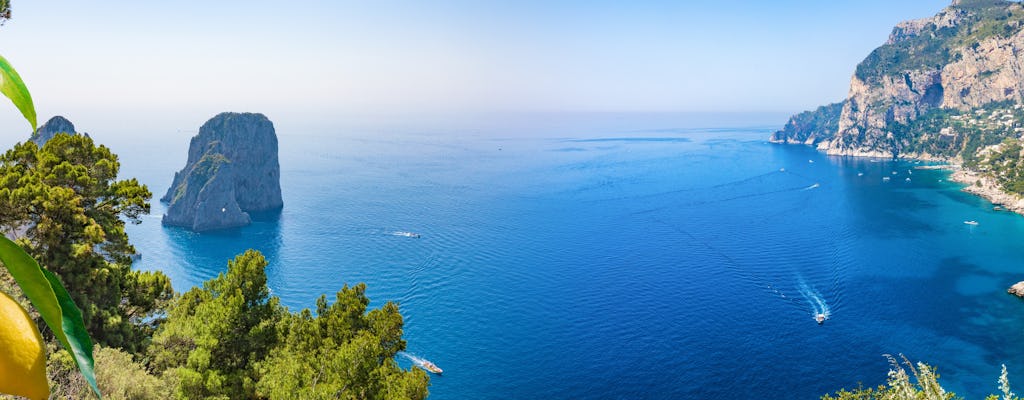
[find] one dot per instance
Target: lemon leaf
(52, 301)
(14, 88)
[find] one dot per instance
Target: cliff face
(810, 127)
(967, 56)
(232, 169)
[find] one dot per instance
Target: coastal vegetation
(228, 339)
(64, 202)
(935, 45)
(920, 383)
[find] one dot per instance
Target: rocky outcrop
(55, 125)
(1017, 289)
(987, 187)
(810, 127)
(968, 55)
(232, 170)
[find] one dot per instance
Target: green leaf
(52, 301)
(12, 87)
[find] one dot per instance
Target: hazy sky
(321, 59)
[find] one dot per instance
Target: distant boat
(429, 366)
(971, 222)
(810, 161)
(407, 234)
(894, 172)
(885, 179)
(860, 174)
(820, 318)
(908, 179)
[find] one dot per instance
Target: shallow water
(612, 262)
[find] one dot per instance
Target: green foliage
(214, 335)
(952, 133)
(342, 353)
(925, 385)
(821, 123)
(120, 377)
(231, 340)
(11, 84)
(64, 202)
(936, 46)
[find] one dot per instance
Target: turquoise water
(638, 258)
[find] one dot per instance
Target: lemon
(22, 358)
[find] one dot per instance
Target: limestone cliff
(232, 170)
(969, 55)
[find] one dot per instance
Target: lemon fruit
(22, 357)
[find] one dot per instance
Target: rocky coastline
(987, 188)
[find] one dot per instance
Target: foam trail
(415, 360)
(815, 299)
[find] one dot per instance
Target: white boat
(820, 318)
(885, 179)
(429, 366)
(860, 174)
(407, 234)
(971, 222)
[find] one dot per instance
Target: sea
(608, 256)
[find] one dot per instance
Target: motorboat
(408, 234)
(820, 318)
(971, 222)
(429, 366)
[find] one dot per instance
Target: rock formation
(810, 127)
(55, 125)
(232, 170)
(1017, 289)
(969, 55)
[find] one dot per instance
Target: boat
(429, 366)
(908, 179)
(860, 174)
(408, 234)
(971, 222)
(885, 179)
(820, 318)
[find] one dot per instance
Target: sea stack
(51, 128)
(232, 170)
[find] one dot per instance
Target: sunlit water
(640, 260)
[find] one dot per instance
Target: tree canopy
(231, 339)
(68, 210)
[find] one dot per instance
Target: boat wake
(815, 300)
(814, 186)
(421, 362)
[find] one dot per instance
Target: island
(51, 128)
(948, 88)
(232, 171)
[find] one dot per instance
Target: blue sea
(626, 256)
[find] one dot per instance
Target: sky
(181, 62)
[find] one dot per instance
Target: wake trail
(814, 299)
